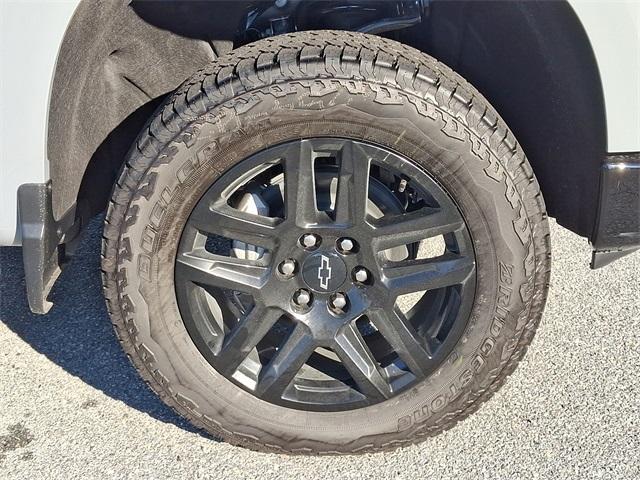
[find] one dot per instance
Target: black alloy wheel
(325, 242)
(294, 268)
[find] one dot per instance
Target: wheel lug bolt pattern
(361, 275)
(287, 267)
(302, 298)
(309, 240)
(346, 244)
(338, 301)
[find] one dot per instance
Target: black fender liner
(110, 64)
(534, 63)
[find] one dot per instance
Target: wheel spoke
(204, 268)
(221, 219)
(360, 363)
(353, 185)
(428, 274)
(276, 376)
(393, 231)
(404, 339)
(300, 188)
(245, 336)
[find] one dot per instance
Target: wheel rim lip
(255, 163)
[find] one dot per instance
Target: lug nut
(338, 301)
(361, 275)
(287, 267)
(345, 244)
(309, 240)
(302, 298)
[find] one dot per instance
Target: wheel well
(532, 60)
(534, 63)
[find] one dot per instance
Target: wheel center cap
(324, 272)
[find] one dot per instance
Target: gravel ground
(72, 406)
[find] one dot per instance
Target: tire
(326, 84)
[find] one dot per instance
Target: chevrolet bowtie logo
(324, 272)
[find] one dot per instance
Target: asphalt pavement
(71, 406)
